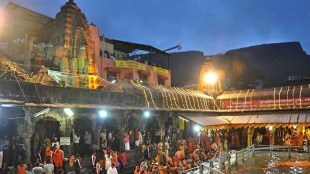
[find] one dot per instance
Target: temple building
(72, 52)
(60, 76)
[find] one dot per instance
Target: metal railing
(235, 158)
(226, 160)
(203, 168)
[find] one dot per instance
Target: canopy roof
(250, 119)
(129, 47)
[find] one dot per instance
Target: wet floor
(278, 163)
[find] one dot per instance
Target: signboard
(161, 71)
(65, 141)
(270, 103)
(130, 64)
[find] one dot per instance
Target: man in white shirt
(76, 142)
(48, 167)
(37, 169)
(112, 170)
(88, 142)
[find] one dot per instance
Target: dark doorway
(81, 125)
(152, 127)
(47, 127)
(133, 123)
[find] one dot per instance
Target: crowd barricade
(226, 160)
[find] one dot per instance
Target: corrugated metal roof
(249, 119)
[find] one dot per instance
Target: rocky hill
(267, 65)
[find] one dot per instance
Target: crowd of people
(157, 156)
(191, 153)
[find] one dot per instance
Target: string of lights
(147, 103)
(184, 98)
(180, 99)
(152, 99)
(245, 101)
(300, 92)
(293, 95)
(280, 98)
(252, 99)
(287, 93)
(181, 96)
(162, 94)
(176, 101)
(274, 98)
(237, 100)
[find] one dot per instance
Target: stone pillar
(24, 130)
(95, 129)
(49, 52)
(81, 60)
(152, 77)
(168, 80)
(135, 74)
(64, 64)
(73, 69)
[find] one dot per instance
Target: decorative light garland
(293, 94)
(245, 100)
(181, 96)
(300, 106)
(274, 98)
(280, 98)
(152, 99)
(145, 96)
(175, 99)
(252, 99)
(287, 93)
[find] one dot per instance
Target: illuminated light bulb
(210, 77)
(68, 112)
(197, 128)
(103, 113)
(147, 114)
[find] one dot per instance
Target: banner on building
(65, 141)
(181, 124)
(261, 104)
(161, 71)
(130, 64)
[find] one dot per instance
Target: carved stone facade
(71, 34)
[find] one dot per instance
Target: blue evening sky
(211, 26)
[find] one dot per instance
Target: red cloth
(190, 146)
(21, 169)
(136, 135)
(48, 154)
(126, 138)
(58, 158)
(123, 158)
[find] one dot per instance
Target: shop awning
(207, 120)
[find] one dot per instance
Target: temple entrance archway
(133, 123)
(46, 127)
(153, 129)
(81, 125)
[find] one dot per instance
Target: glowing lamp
(68, 112)
(147, 114)
(210, 77)
(103, 113)
(197, 128)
